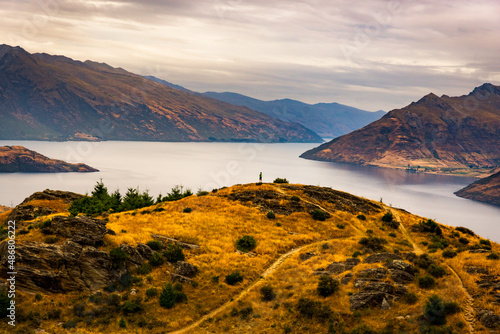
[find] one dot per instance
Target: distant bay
(158, 166)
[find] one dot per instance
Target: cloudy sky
(377, 54)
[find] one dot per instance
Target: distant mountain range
(44, 97)
(329, 120)
(437, 133)
(485, 190)
(20, 159)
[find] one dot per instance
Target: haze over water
(160, 166)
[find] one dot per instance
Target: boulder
(382, 257)
(401, 277)
(185, 269)
(135, 258)
(401, 265)
(306, 256)
(366, 299)
(336, 268)
(145, 251)
(82, 229)
(351, 262)
(179, 278)
(489, 319)
(476, 270)
(346, 279)
(385, 305)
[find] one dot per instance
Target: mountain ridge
(44, 97)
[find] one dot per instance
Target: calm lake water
(158, 167)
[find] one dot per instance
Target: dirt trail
(245, 292)
(469, 313)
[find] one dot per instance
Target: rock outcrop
(486, 190)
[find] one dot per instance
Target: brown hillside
(485, 190)
(435, 132)
(46, 97)
(20, 159)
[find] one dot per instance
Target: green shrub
(202, 193)
(341, 226)
(234, 278)
(449, 254)
(465, 230)
(145, 269)
(485, 242)
(387, 217)
(267, 293)
(430, 226)
(69, 324)
(295, 198)
(167, 296)
(361, 217)
(270, 215)
(392, 235)
(436, 271)
(426, 282)
(156, 259)
(246, 243)
(356, 254)
(373, 243)
(327, 285)
(122, 323)
(155, 245)
(173, 253)
(152, 292)
(493, 256)
(118, 258)
(319, 215)
(410, 298)
(38, 296)
(51, 239)
(423, 261)
(280, 180)
(438, 242)
(434, 311)
(54, 313)
(187, 210)
(129, 307)
(310, 308)
(451, 308)
(463, 240)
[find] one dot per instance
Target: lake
(158, 167)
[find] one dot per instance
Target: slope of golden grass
(216, 222)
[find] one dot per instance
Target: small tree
(327, 285)
(122, 323)
(319, 215)
(434, 311)
(234, 278)
(246, 243)
(167, 296)
(173, 253)
(267, 293)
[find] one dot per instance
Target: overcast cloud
(378, 54)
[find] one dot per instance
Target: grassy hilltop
(270, 258)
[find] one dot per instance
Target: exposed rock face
(60, 268)
(168, 240)
(83, 230)
(433, 132)
(374, 294)
(489, 319)
(382, 257)
(185, 269)
(28, 211)
(74, 266)
(20, 159)
(485, 190)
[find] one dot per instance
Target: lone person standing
(260, 177)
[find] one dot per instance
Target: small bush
(361, 217)
(280, 180)
(130, 307)
(373, 243)
(155, 245)
(319, 215)
(187, 210)
(270, 215)
(152, 292)
(69, 324)
(246, 243)
(485, 242)
(434, 311)
(423, 261)
(122, 323)
(356, 254)
(327, 285)
(267, 293)
(438, 242)
(465, 230)
(167, 296)
(426, 282)
(145, 269)
(156, 259)
(202, 193)
(234, 278)
(310, 308)
(463, 240)
(118, 257)
(410, 298)
(51, 239)
(387, 217)
(430, 226)
(392, 235)
(38, 296)
(54, 313)
(173, 253)
(295, 198)
(493, 256)
(341, 226)
(436, 271)
(451, 308)
(449, 254)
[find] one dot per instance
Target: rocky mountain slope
(44, 97)
(253, 258)
(20, 159)
(326, 119)
(436, 133)
(485, 190)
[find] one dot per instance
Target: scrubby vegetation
(280, 180)
(246, 243)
